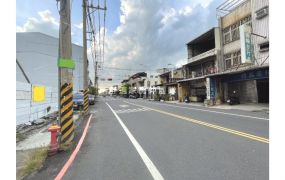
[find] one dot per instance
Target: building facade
(38, 53)
(203, 57)
(142, 84)
(245, 52)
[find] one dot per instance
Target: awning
(234, 71)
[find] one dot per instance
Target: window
(151, 76)
(264, 47)
(236, 58)
(262, 12)
(156, 76)
(148, 83)
(231, 33)
(227, 35)
(155, 82)
(245, 20)
(228, 61)
(235, 31)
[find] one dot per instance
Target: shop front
(250, 86)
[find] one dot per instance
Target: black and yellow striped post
(66, 113)
(86, 102)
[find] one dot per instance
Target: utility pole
(85, 66)
(96, 78)
(97, 8)
(66, 66)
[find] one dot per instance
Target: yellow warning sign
(38, 93)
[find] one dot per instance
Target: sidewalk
(245, 107)
(37, 138)
(190, 104)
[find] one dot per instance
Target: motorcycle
(186, 99)
(233, 99)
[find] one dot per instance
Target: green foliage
(20, 137)
(34, 161)
(93, 90)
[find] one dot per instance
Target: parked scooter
(233, 99)
(186, 99)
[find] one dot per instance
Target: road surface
(132, 139)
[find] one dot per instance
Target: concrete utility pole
(66, 66)
(96, 78)
(97, 8)
(85, 66)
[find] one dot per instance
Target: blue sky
(141, 34)
(26, 9)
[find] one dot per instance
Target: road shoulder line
(74, 153)
(147, 161)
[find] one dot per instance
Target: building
(142, 84)
(37, 53)
(136, 82)
(203, 59)
(36, 57)
(245, 51)
(169, 82)
(149, 89)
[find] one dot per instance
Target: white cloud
(46, 23)
(154, 33)
(79, 26)
(186, 11)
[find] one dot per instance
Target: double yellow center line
(232, 131)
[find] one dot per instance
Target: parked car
(78, 101)
(91, 99)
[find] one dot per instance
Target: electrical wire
(104, 30)
(99, 33)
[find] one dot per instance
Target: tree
(93, 90)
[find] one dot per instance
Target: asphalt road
(138, 139)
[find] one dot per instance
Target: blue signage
(212, 87)
(249, 75)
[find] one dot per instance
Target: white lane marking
(131, 110)
(149, 164)
(253, 117)
(124, 105)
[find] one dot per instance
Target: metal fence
(27, 110)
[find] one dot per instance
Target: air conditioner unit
(262, 12)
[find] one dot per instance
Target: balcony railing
(174, 80)
(206, 71)
(209, 53)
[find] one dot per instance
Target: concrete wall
(247, 91)
(27, 110)
(38, 54)
(239, 13)
(177, 73)
(183, 90)
(261, 27)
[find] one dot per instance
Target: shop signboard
(245, 43)
(208, 88)
(212, 88)
(248, 75)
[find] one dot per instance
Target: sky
(141, 35)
